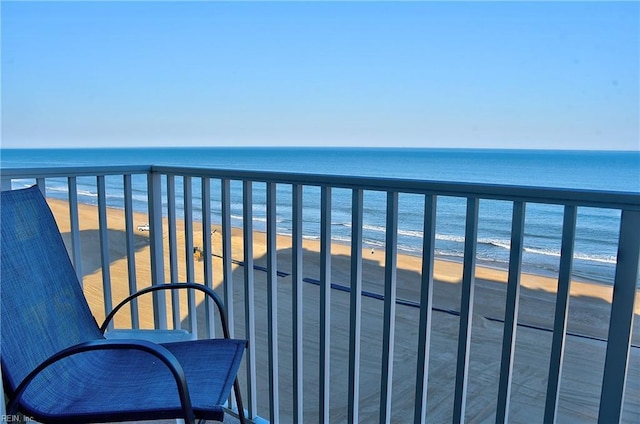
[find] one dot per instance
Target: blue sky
(542, 74)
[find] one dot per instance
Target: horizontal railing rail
(532, 194)
(590, 198)
(176, 194)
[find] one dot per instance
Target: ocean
(597, 229)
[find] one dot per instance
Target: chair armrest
(170, 286)
(156, 350)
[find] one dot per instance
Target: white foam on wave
(606, 259)
(381, 229)
(498, 243)
(264, 219)
(59, 189)
(596, 258)
(450, 237)
(84, 193)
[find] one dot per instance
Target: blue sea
(595, 249)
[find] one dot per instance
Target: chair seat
(114, 385)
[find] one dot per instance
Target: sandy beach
(584, 353)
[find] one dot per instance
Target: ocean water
(597, 229)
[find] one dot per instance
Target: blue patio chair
(56, 364)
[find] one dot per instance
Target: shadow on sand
(90, 242)
(582, 370)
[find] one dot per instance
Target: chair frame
(181, 286)
(153, 349)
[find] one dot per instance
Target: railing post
(42, 185)
(511, 312)
(103, 229)
(249, 293)
(272, 303)
(131, 250)
(207, 251)
(227, 270)
(561, 313)
(154, 190)
(466, 310)
(5, 184)
(325, 301)
(74, 225)
(355, 307)
(187, 193)
(426, 306)
(297, 302)
(173, 248)
(389, 320)
(621, 322)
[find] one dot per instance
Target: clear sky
(542, 74)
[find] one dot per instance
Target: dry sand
(584, 353)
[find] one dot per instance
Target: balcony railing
(308, 364)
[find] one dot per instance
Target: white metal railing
(165, 197)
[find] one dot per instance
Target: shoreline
(446, 270)
(491, 265)
(592, 263)
(405, 260)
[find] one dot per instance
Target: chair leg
(236, 389)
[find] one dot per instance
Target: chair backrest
(42, 307)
